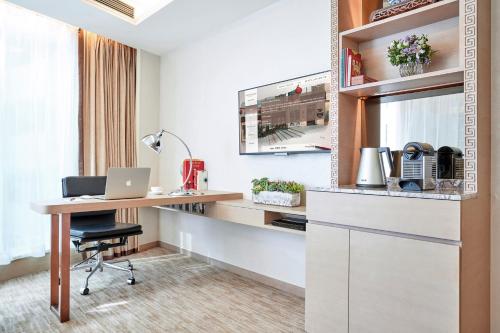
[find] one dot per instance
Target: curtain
(438, 120)
(38, 124)
(107, 114)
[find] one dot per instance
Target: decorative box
(402, 7)
(277, 198)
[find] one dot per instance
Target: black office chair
(89, 230)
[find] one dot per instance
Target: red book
(354, 65)
(198, 165)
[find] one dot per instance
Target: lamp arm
(190, 156)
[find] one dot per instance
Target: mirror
(435, 117)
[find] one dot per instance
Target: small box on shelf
(361, 79)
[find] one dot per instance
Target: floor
(173, 293)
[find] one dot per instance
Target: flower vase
(410, 69)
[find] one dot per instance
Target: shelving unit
(242, 203)
(246, 212)
(460, 30)
(441, 21)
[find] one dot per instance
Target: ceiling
(178, 23)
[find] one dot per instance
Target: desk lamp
(153, 141)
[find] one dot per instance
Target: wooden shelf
(436, 12)
(436, 79)
(246, 212)
(301, 210)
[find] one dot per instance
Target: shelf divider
(429, 14)
(436, 79)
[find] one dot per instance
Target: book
(342, 68)
(350, 65)
(354, 65)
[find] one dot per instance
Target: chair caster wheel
(84, 291)
(131, 281)
(131, 267)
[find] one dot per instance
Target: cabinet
(327, 262)
(378, 271)
(402, 285)
(363, 282)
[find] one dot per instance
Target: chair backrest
(87, 185)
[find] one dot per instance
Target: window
(38, 124)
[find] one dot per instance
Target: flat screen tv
(286, 117)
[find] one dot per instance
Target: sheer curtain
(38, 124)
(438, 120)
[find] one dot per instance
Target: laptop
(126, 183)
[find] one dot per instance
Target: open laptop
(126, 183)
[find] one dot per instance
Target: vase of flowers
(411, 54)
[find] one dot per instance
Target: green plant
(411, 50)
(264, 184)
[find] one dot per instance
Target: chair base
(96, 262)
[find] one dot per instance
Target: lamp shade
(153, 141)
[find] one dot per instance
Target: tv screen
(286, 117)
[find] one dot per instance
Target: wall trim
(149, 246)
(470, 34)
(268, 281)
(334, 96)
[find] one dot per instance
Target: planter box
(277, 198)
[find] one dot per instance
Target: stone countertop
(443, 194)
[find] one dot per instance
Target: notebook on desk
(126, 183)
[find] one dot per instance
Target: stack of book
(351, 69)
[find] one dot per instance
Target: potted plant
(411, 54)
(279, 193)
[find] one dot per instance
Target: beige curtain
(107, 114)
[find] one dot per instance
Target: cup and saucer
(157, 190)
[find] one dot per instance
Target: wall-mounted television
(286, 117)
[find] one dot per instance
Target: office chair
(89, 230)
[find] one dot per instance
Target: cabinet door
(327, 271)
(402, 285)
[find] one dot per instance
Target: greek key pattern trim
(470, 92)
(334, 98)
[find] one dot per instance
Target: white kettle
(371, 171)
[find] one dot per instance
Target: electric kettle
(371, 172)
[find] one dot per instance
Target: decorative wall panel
(470, 91)
(334, 99)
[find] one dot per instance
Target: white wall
(147, 117)
(199, 85)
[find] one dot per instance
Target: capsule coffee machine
(418, 167)
(450, 163)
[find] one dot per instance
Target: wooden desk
(60, 211)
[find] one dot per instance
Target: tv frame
(284, 153)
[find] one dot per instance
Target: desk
(60, 211)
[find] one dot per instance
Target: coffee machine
(450, 163)
(418, 167)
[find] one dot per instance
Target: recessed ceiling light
(132, 11)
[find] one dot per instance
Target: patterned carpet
(173, 293)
